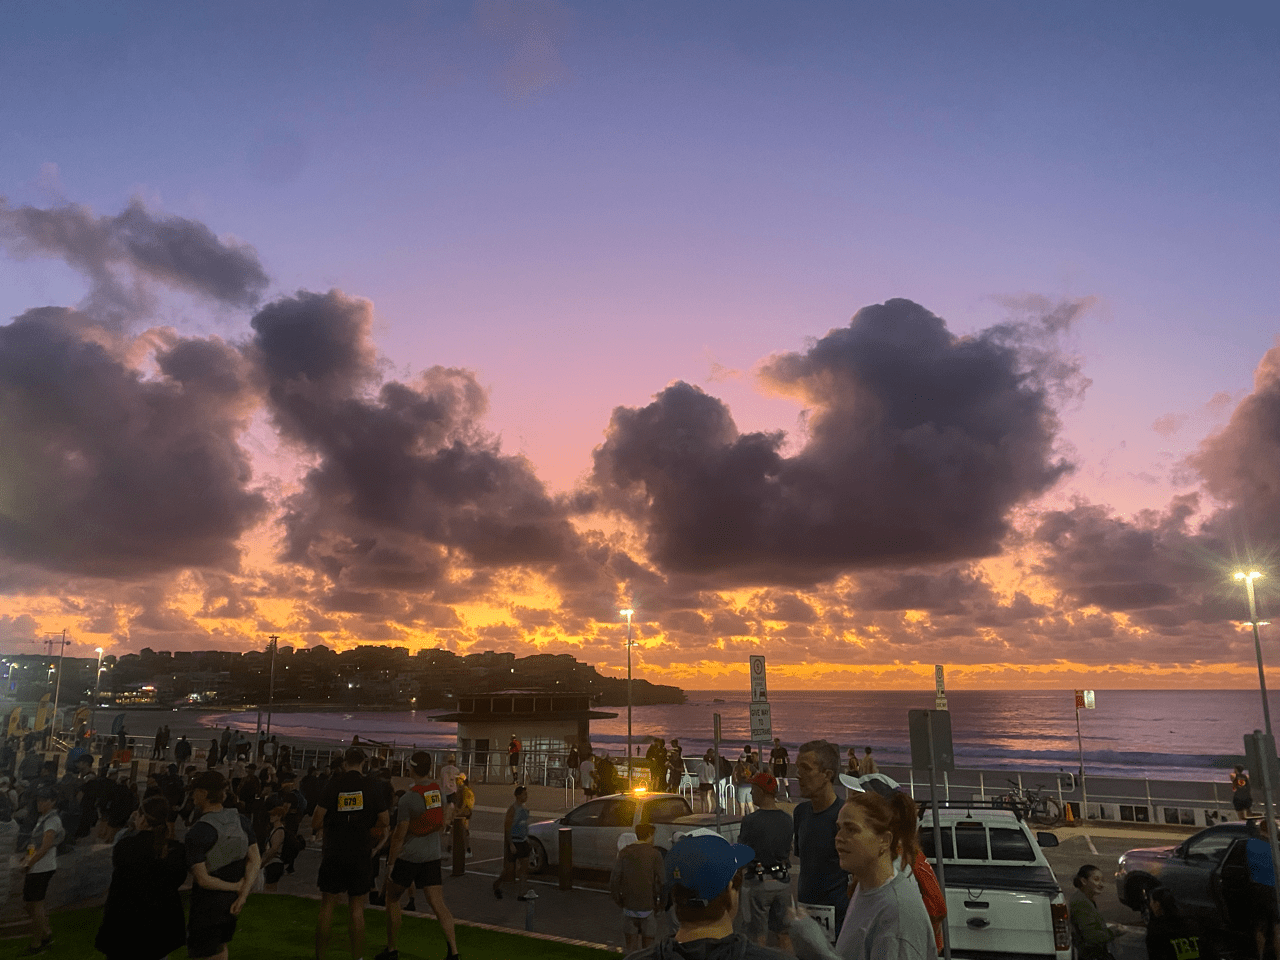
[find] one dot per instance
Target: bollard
(566, 858)
(459, 847)
(528, 915)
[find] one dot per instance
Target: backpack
(431, 819)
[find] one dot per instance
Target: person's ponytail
(906, 827)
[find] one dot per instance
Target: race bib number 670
(351, 802)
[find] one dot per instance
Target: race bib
(352, 802)
(825, 914)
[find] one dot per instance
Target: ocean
(1156, 734)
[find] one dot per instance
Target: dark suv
(1207, 873)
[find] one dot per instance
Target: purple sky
(584, 203)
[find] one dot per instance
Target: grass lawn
(278, 927)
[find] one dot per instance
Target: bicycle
(1035, 806)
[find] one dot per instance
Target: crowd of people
(234, 826)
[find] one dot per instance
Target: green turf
(279, 927)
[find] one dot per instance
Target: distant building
(547, 724)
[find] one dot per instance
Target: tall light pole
(628, 614)
(1248, 579)
(97, 684)
(271, 690)
(57, 687)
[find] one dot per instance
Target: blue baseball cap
(705, 864)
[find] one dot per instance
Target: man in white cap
(704, 871)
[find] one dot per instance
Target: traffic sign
(1085, 700)
(759, 689)
(940, 688)
(930, 732)
(761, 722)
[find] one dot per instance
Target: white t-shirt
(706, 772)
(49, 862)
(587, 772)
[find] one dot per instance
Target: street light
(1248, 579)
(271, 690)
(628, 614)
(97, 685)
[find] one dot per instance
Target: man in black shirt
(779, 759)
(349, 813)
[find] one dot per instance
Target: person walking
(222, 853)
(586, 774)
(274, 839)
(675, 766)
(1241, 795)
(635, 884)
(414, 858)
(743, 771)
(779, 760)
(466, 806)
(707, 782)
(40, 864)
(142, 918)
(766, 889)
(1089, 931)
(868, 764)
(886, 916)
(448, 781)
(513, 758)
(515, 845)
(823, 885)
(348, 815)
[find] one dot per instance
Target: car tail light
(1061, 927)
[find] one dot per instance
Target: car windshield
(1210, 845)
(587, 815)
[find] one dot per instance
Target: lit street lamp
(271, 690)
(97, 685)
(1248, 579)
(628, 614)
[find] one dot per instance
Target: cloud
(534, 30)
(407, 485)
(1169, 424)
(121, 254)
(1241, 462)
(111, 473)
(920, 443)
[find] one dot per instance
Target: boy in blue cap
(704, 872)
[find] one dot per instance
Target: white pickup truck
(1002, 897)
(597, 825)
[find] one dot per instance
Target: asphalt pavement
(586, 914)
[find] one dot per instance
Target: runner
(414, 860)
(348, 816)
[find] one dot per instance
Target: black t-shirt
(778, 756)
(351, 803)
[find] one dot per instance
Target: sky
(864, 337)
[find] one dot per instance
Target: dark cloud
(920, 444)
(407, 484)
(119, 254)
(110, 473)
(1241, 463)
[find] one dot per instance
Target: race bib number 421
(352, 802)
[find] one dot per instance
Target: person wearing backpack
(414, 857)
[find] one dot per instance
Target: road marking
(1092, 849)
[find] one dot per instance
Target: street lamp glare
(1251, 575)
(627, 613)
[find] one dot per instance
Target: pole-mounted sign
(761, 718)
(940, 688)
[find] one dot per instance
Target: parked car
(598, 824)
(1002, 896)
(1207, 873)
